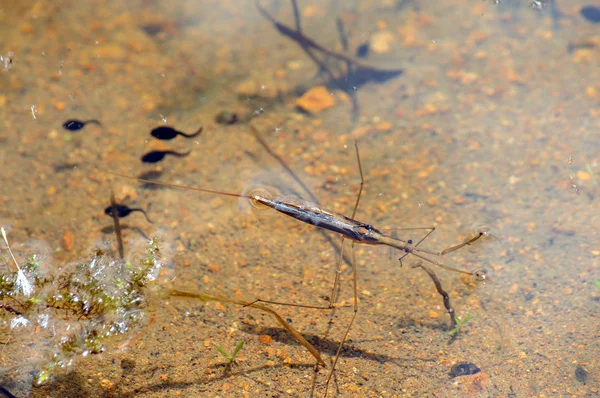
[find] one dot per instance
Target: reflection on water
(493, 121)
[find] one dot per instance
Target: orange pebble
(68, 240)
(265, 338)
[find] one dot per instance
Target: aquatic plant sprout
(72, 311)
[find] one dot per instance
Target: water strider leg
(339, 350)
(301, 183)
(412, 249)
(433, 276)
(338, 271)
(479, 274)
(441, 291)
(482, 231)
(354, 273)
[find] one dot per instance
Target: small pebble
(433, 201)
(214, 268)
(380, 42)
(581, 374)
(464, 369)
(265, 339)
(583, 175)
(226, 118)
(67, 241)
(316, 100)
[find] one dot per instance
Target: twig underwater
(117, 224)
(357, 73)
(299, 338)
(6, 393)
(348, 228)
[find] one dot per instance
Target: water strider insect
(348, 228)
(124, 211)
(168, 133)
(157, 156)
(75, 125)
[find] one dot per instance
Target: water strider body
(347, 227)
(355, 230)
(350, 228)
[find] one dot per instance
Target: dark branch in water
(115, 216)
(6, 393)
(357, 72)
(441, 291)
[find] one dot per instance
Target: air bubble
(480, 275)
(261, 192)
(484, 230)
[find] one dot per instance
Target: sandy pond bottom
(494, 122)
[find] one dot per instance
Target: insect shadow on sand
(350, 74)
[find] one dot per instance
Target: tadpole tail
(198, 132)
(145, 215)
(178, 154)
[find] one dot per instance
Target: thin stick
(358, 232)
(282, 162)
(115, 216)
(139, 334)
(338, 271)
(441, 291)
(354, 271)
(305, 41)
(322, 66)
(22, 281)
(299, 338)
(341, 345)
(6, 393)
(299, 181)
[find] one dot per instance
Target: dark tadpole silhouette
(168, 133)
(591, 13)
(75, 125)
(157, 156)
(124, 211)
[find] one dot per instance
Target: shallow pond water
(494, 121)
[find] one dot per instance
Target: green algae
(73, 309)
